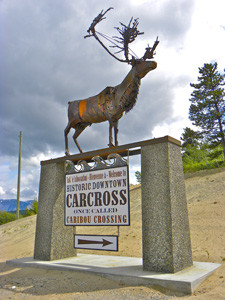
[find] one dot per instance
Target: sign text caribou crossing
(98, 197)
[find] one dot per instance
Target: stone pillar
(166, 235)
(53, 240)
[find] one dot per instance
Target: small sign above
(96, 242)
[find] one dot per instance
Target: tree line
(6, 217)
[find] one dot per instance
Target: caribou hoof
(111, 145)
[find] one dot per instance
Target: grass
(204, 165)
(202, 158)
(6, 217)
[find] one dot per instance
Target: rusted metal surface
(110, 104)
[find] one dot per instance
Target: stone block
(165, 229)
(53, 240)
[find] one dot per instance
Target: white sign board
(96, 242)
(97, 198)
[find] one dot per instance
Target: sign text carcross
(99, 197)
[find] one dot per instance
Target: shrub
(6, 217)
(33, 210)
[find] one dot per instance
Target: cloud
(2, 192)
(47, 62)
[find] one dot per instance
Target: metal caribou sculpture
(110, 104)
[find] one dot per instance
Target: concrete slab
(126, 269)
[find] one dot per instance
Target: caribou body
(112, 102)
(109, 105)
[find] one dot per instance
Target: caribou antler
(128, 33)
(97, 20)
(92, 32)
(150, 51)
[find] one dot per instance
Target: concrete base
(126, 269)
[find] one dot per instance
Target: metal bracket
(99, 164)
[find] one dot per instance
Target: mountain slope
(11, 204)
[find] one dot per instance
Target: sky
(46, 62)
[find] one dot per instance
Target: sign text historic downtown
(97, 198)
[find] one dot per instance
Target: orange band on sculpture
(82, 107)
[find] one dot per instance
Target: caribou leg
(110, 134)
(115, 124)
(66, 131)
(78, 129)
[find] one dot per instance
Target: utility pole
(18, 183)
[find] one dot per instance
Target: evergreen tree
(207, 110)
(190, 138)
(138, 176)
(33, 210)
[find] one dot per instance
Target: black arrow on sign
(88, 242)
